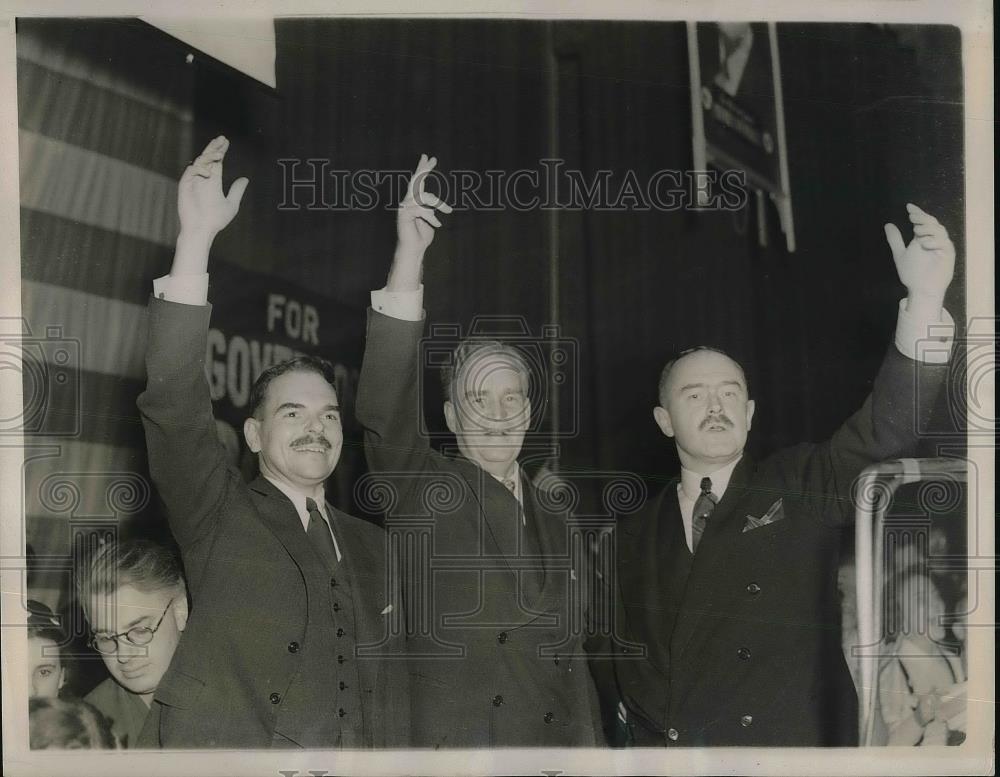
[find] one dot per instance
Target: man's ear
(180, 608)
(251, 431)
(751, 406)
(450, 417)
(662, 418)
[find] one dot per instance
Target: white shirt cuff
(925, 341)
(186, 289)
(404, 305)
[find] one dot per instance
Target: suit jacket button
(274, 698)
(340, 632)
(753, 588)
(340, 659)
(502, 637)
(336, 606)
(341, 712)
(342, 685)
(548, 717)
(673, 734)
(497, 700)
(744, 654)
(293, 647)
(746, 720)
(333, 582)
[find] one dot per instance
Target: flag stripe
(98, 334)
(97, 119)
(98, 261)
(95, 189)
(86, 50)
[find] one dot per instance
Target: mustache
(721, 418)
(311, 440)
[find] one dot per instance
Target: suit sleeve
(885, 427)
(186, 459)
(389, 402)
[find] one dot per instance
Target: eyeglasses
(137, 636)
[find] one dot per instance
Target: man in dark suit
(284, 587)
(498, 664)
(728, 580)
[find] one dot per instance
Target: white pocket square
(774, 514)
(387, 610)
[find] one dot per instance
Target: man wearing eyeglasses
(135, 599)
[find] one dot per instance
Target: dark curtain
(873, 119)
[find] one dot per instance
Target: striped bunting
(94, 189)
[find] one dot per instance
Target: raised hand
(927, 264)
(416, 219)
(204, 210)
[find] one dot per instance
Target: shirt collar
(691, 481)
(299, 500)
(515, 475)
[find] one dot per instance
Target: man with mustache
(284, 587)
(729, 578)
(494, 662)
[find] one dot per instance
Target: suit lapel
(546, 537)
(281, 517)
(648, 546)
(673, 565)
(490, 509)
(716, 543)
(362, 568)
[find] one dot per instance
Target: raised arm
(416, 221)
(186, 459)
(389, 405)
(911, 376)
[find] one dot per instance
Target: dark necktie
(703, 508)
(319, 533)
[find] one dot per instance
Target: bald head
(705, 407)
(668, 369)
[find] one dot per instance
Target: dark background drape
(874, 120)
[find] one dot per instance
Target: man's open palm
(927, 264)
(202, 206)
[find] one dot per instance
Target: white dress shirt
(689, 489)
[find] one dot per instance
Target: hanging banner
(259, 320)
(737, 108)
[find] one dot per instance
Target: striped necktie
(703, 508)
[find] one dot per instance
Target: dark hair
(306, 363)
(67, 724)
(144, 564)
(43, 623)
(466, 350)
(669, 366)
